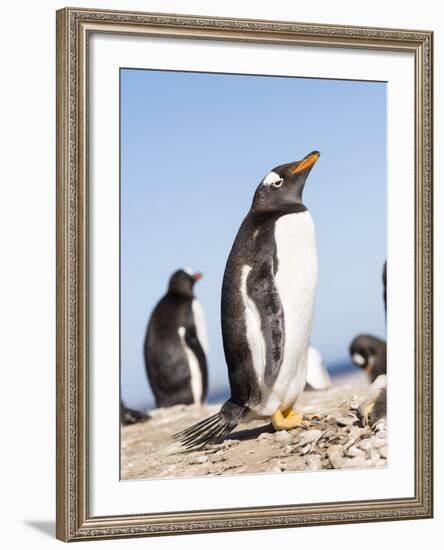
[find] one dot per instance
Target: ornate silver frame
(74, 521)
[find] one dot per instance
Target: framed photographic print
(244, 274)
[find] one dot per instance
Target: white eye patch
(358, 359)
(272, 179)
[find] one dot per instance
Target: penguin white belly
(295, 280)
(193, 364)
(201, 326)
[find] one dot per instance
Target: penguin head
(364, 352)
(281, 189)
(182, 282)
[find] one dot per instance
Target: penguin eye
(278, 183)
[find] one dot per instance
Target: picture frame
(75, 519)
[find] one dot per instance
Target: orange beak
(306, 162)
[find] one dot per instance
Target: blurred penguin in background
(176, 344)
(369, 352)
(317, 374)
(384, 282)
(131, 416)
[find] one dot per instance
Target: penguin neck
(281, 210)
(180, 294)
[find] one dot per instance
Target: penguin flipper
(265, 296)
(213, 429)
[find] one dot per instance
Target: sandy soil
(336, 440)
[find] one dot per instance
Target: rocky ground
(334, 440)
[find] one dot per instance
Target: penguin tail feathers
(213, 429)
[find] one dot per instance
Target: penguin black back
(175, 345)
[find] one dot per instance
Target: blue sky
(194, 148)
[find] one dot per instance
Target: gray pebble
(230, 443)
(198, 459)
(216, 469)
(306, 449)
(345, 420)
(309, 436)
(313, 462)
(295, 463)
(354, 432)
(374, 457)
(264, 436)
(356, 462)
(365, 444)
(377, 442)
(381, 425)
(354, 451)
(217, 458)
(282, 436)
(335, 455)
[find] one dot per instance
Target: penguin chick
(268, 294)
(176, 344)
(131, 416)
(370, 354)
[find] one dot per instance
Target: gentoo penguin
(131, 416)
(176, 344)
(268, 294)
(369, 353)
(317, 374)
